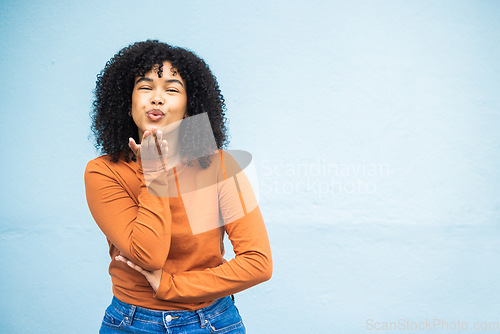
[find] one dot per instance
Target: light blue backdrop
(374, 126)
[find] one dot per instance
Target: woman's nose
(157, 98)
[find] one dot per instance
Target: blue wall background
(374, 126)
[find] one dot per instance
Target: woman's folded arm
(251, 265)
(140, 229)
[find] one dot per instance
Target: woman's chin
(171, 126)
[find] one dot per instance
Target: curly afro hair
(111, 123)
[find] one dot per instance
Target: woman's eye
(172, 90)
(145, 88)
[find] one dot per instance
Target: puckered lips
(155, 114)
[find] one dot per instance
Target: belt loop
(203, 321)
(130, 317)
(232, 297)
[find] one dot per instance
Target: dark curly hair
(111, 123)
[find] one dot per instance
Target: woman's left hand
(153, 277)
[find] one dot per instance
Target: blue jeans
(220, 317)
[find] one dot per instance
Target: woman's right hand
(149, 145)
(152, 156)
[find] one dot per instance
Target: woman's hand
(152, 156)
(152, 148)
(153, 277)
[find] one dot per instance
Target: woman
(164, 193)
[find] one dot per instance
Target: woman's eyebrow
(143, 79)
(175, 81)
(151, 80)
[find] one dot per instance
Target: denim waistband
(171, 318)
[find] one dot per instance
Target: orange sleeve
(252, 263)
(139, 229)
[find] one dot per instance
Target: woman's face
(157, 102)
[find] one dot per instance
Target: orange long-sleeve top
(177, 233)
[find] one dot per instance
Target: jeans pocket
(228, 321)
(112, 318)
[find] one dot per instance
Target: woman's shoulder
(100, 161)
(107, 163)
